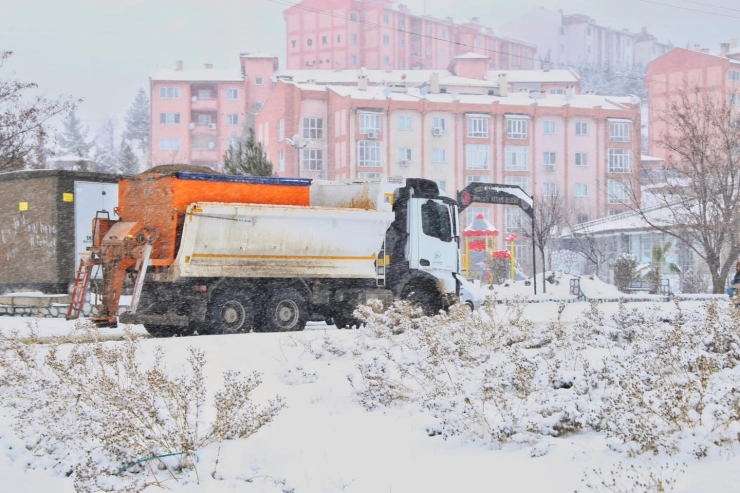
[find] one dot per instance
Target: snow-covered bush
(625, 270)
(652, 383)
(94, 410)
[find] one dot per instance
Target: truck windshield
(435, 221)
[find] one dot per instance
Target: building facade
(583, 147)
(576, 39)
(384, 35)
(679, 70)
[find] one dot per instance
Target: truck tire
(285, 310)
(157, 331)
(230, 313)
(429, 299)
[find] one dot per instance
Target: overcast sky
(103, 50)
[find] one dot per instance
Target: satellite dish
(455, 95)
(534, 95)
(387, 92)
(424, 91)
(194, 99)
(211, 145)
(191, 126)
(290, 142)
(296, 138)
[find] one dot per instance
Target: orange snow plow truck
(213, 253)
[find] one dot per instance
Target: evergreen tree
(106, 155)
(137, 121)
(73, 138)
(246, 156)
(129, 162)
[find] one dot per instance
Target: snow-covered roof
(256, 54)
(455, 80)
(350, 76)
(470, 55)
(628, 221)
(197, 74)
(524, 76)
(650, 159)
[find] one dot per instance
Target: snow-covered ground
(325, 440)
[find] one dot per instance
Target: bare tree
(23, 118)
(697, 194)
(549, 217)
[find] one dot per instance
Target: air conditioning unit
(550, 168)
(437, 131)
(372, 135)
(404, 162)
(191, 126)
(212, 126)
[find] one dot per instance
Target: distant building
(384, 35)
(576, 39)
(680, 69)
(456, 129)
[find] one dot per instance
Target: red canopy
(477, 246)
(502, 254)
(480, 227)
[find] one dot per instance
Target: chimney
(546, 66)
(178, 65)
(570, 91)
(592, 92)
(733, 43)
(362, 83)
(705, 50)
(434, 83)
(697, 47)
(724, 48)
(503, 85)
(208, 65)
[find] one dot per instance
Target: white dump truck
(273, 251)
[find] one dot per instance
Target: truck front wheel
(286, 309)
(230, 313)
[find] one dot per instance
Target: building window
(557, 91)
(438, 123)
(202, 143)
(169, 92)
(478, 43)
(353, 16)
(313, 128)
(204, 119)
(402, 43)
(386, 39)
(477, 178)
(549, 158)
(443, 33)
(368, 154)
(339, 39)
(516, 158)
(476, 156)
(281, 160)
(442, 53)
(581, 159)
(169, 144)
(353, 59)
(233, 94)
(477, 127)
(619, 132)
(293, 43)
(232, 119)
(313, 159)
(429, 50)
(369, 123)
(733, 75)
(353, 38)
(518, 181)
(439, 155)
(404, 156)
(386, 19)
(205, 94)
(619, 160)
(516, 128)
(281, 130)
(581, 128)
(734, 100)
(369, 175)
(472, 212)
(515, 221)
(581, 189)
(617, 191)
(402, 64)
(442, 185)
(259, 80)
(429, 29)
(584, 218)
(404, 123)
(548, 127)
(324, 40)
(549, 189)
(169, 118)
(402, 24)
(386, 61)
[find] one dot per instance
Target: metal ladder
(80, 287)
(380, 267)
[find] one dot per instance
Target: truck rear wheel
(428, 298)
(230, 313)
(286, 309)
(161, 330)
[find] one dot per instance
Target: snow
(531, 76)
(197, 74)
(325, 441)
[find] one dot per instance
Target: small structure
(480, 240)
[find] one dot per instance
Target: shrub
(625, 270)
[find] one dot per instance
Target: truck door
(432, 245)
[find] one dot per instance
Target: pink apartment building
(584, 147)
(680, 69)
(384, 35)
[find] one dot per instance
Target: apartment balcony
(211, 155)
(209, 129)
(204, 104)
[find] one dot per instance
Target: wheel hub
(287, 313)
